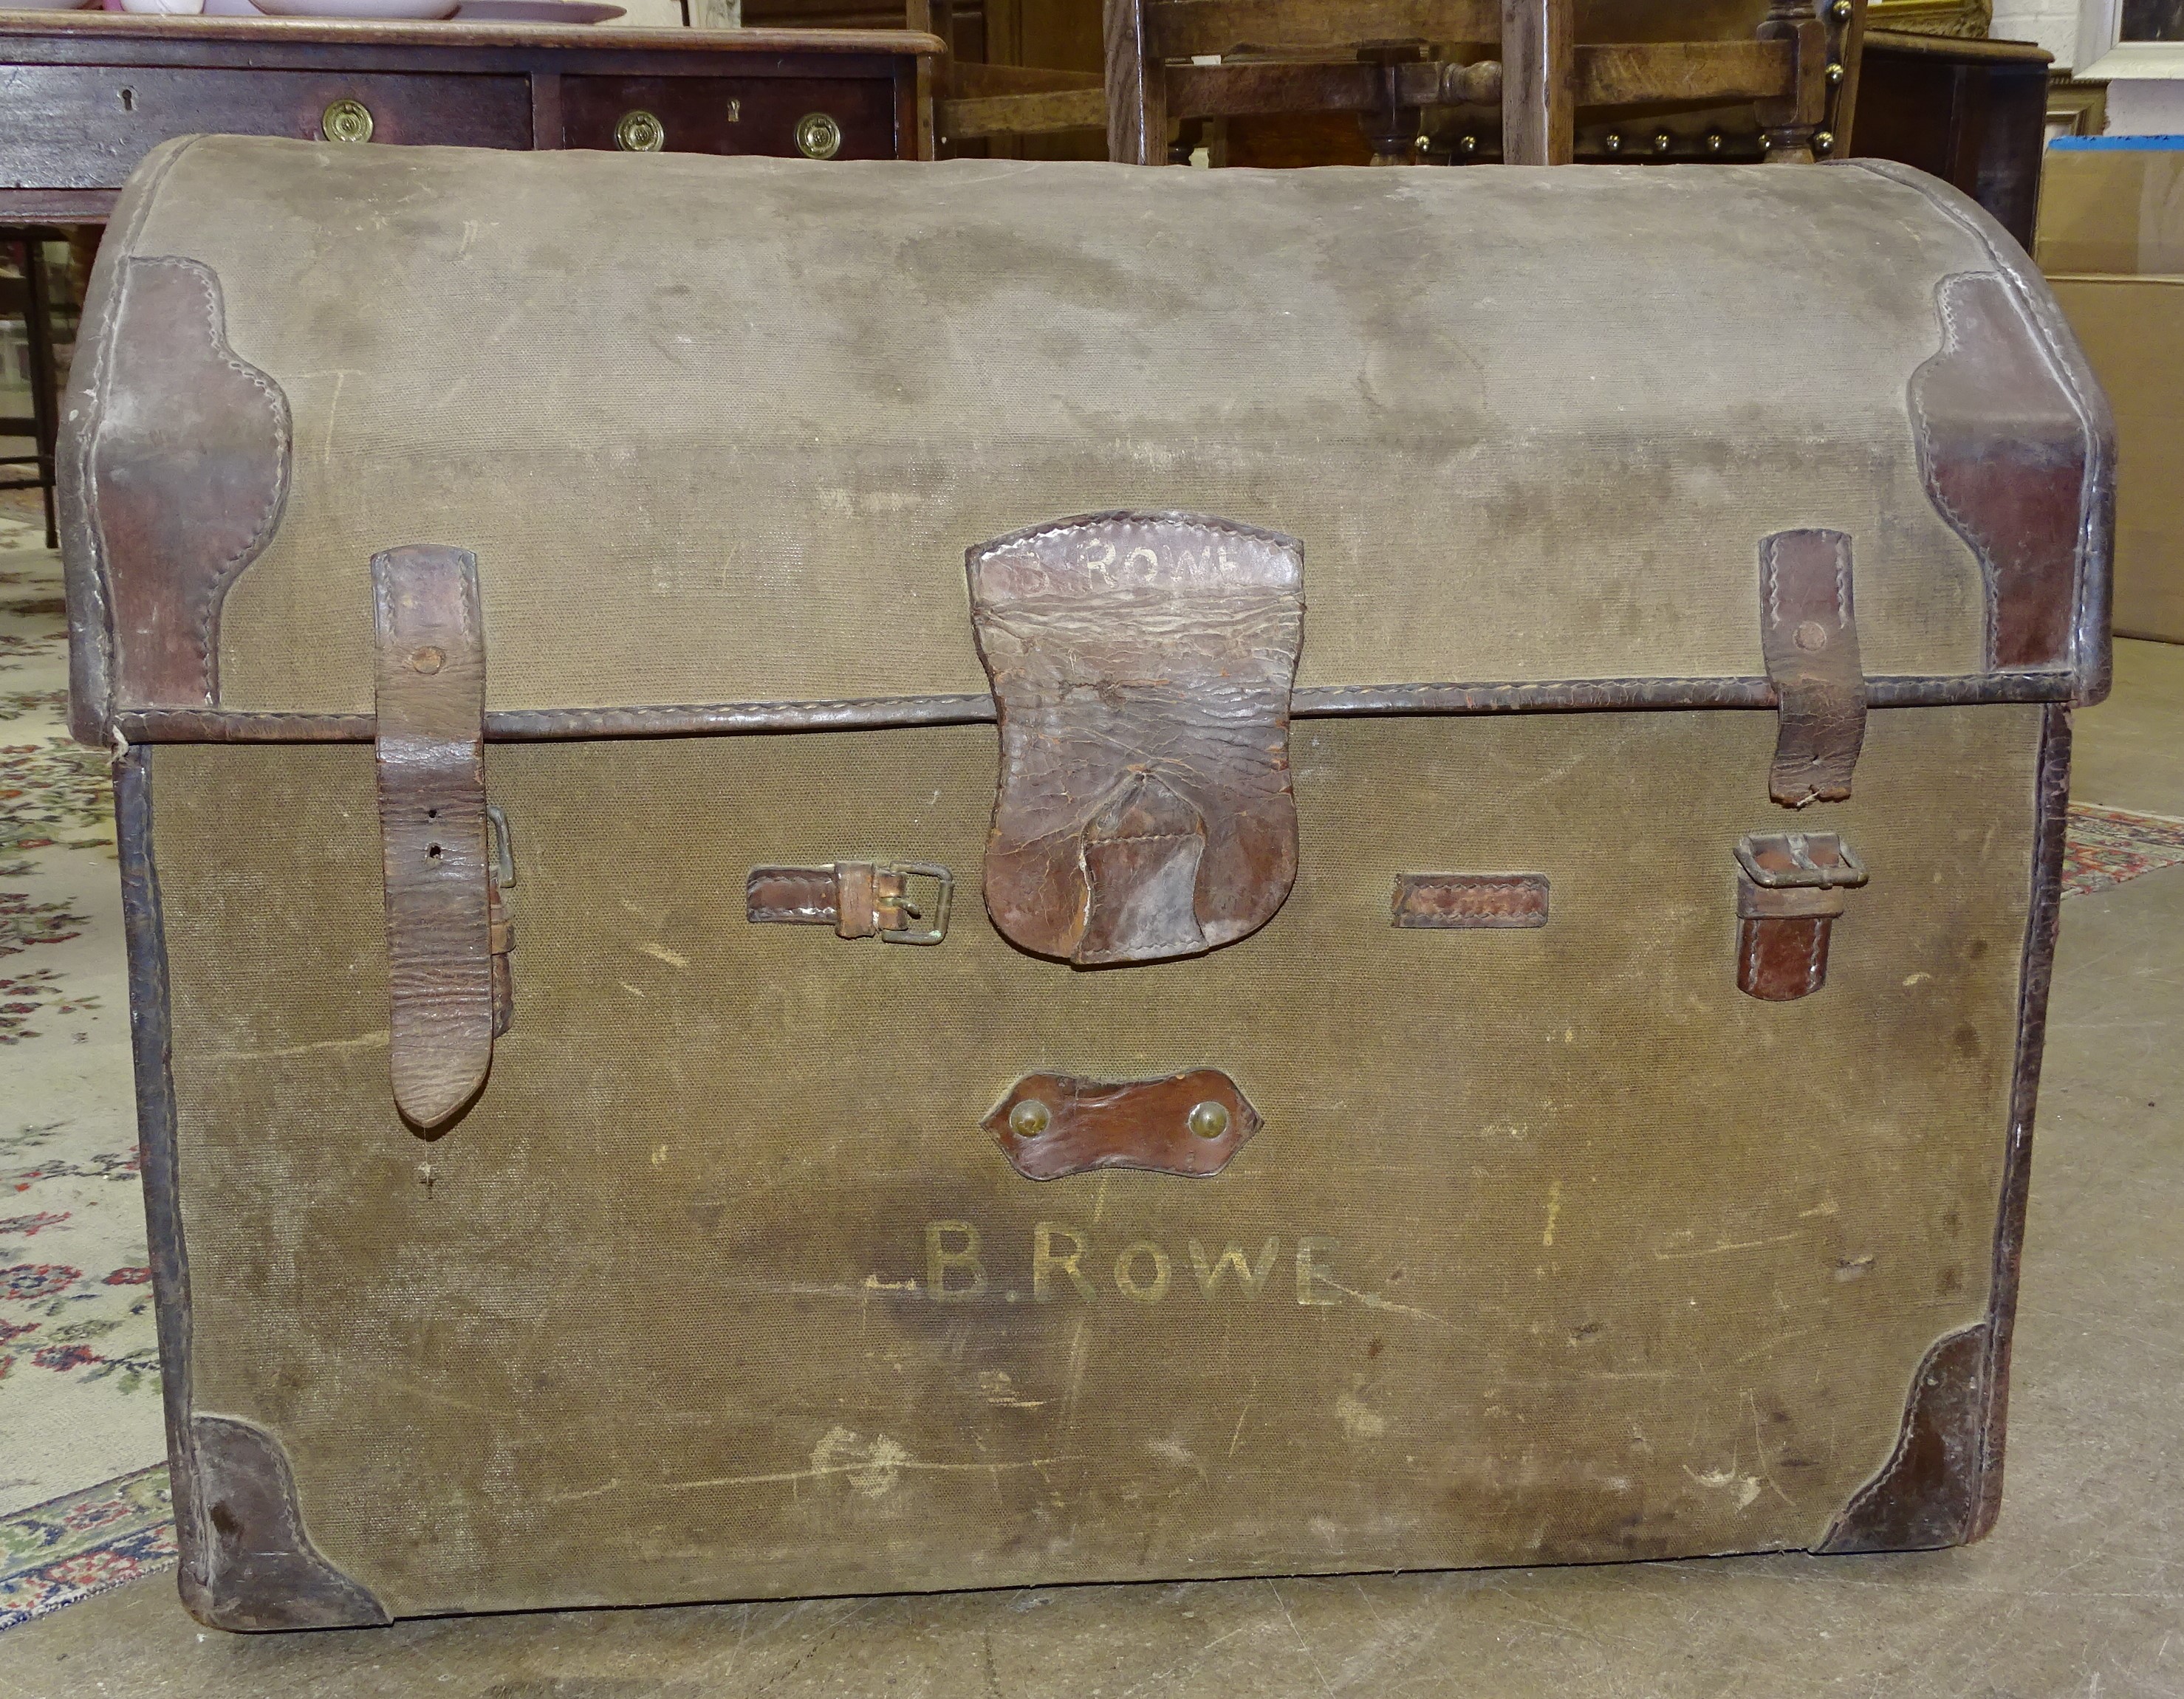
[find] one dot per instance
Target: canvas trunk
(862, 877)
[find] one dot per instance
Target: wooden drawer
(85, 126)
(733, 115)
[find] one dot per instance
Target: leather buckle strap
(1808, 634)
(859, 899)
(429, 745)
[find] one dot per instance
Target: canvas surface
(1527, 425)
(1553, 1246)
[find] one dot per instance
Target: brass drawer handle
(640, 132)
(345, 121)
(818, 136)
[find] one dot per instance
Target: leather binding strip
(1190, 1125)
(1311, 701)
(1808, 635)
(1458, 901)
(432, 828)
(187, 473)
(1141, 666)
(857, 898)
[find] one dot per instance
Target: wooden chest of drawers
(87, 94)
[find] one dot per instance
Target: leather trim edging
(1942, 1484)
(877, 713)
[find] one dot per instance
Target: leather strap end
(430, 752)
(1808, 635)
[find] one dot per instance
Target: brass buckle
(1779, 861)
(936, 928)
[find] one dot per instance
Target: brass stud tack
(1613, 143)
(1824, 141)
(1030, 1118)
(1210, 1119)
(1662, 142)
(1715, 141)
(1835, 74)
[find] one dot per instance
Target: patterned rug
(79, 1361)
(2108, 845)
(84, 1502)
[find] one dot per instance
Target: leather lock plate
(1141, 666)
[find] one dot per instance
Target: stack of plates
(551, 12)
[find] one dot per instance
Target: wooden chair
(29, 297)
(1391, 62)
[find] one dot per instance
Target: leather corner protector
(2007, 451)
(1141, 665)
(256, 1569)
(1191, 1124)
(1927, 1494)
(185, 478)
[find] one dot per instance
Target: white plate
(538, 12)
(381, 9)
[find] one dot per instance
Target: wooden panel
(1972, 116)
(1626, 74)
(1023, 114)
(1183, 28)
(85, 126)
(696, 112)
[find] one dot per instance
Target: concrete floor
(2079, 1592)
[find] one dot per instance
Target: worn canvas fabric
(569, 673)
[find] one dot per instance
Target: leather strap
(1808, 634)
(857, 898)
(1466, 901)
(429, 744)
(1141, 666)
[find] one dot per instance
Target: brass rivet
(1210, 1119)
(1615, 142)
(1469, 144)
(1822, 141)
(427, 661)
(640, 132)
(1662, 142)
(1835, 74)
(818, 136)
(1030, 1118)
(345, 121)
(1841, 11)
(1810, 635)
(1715, 141)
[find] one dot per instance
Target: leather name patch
(1486, 901)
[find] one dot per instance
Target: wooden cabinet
(88, 94)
